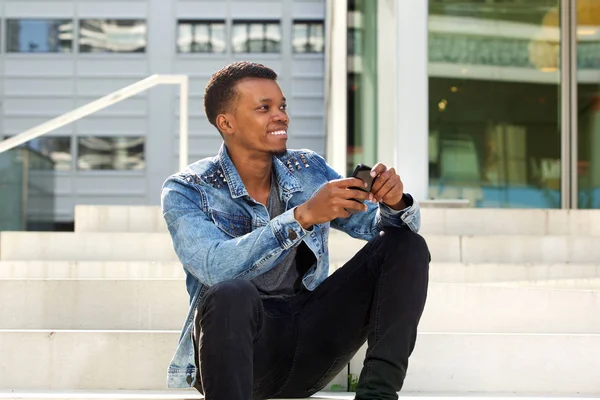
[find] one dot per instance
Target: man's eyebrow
(268, 100)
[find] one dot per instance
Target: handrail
(110, 99)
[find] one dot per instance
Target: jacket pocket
(232, 224)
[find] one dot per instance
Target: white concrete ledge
(94, 246)
(162, 305)
(479, 221)
(192, 394)
(435, 220)
(145, 219)
(508, 273)
(448, 363)
(569, 284)
(90, 246)
(83, 270)
(165, 270)
(133, 395)
(502, 363)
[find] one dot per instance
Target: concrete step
(133, 395)
(145, 219)
(163, 304)
(90, 246)
(508, 273)
(441, 363)
(63, 270)
(93, 246)
(502, 363)
(192, 394)
(163, 270)
(577, 284)
(490, 221)
(437, 221)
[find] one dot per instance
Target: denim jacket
(219, 232)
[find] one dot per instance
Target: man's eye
(284, 107)
(264, 107)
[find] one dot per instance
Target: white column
(336, 84)
(386, 82)
(412, 119)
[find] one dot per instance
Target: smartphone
(364, 173)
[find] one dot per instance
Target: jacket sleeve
(364, 225)
(212, 256)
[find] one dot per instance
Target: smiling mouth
(281, 132)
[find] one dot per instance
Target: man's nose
(281, 116)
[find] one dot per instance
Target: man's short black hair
(220, 90)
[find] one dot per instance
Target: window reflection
(51, 148)
(112, 36)
(110, 153)
(494, 103)
(588, 102)
(308, 37)
(201, 37)
(57, 148)
(39, 36)
(256, 37)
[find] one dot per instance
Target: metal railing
(108, 100)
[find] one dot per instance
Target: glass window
(55, 148)
(308, 37)
(110, 153)
(112, 36)
(588, 102)
(256, 37)
(494, 102)
(201, 37)
(39, 36)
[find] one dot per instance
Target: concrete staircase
(513, 307)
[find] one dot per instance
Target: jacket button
(292, 235)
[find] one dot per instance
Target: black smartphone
(364, 173)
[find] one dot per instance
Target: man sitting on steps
(251, 227)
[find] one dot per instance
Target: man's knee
(404, 242)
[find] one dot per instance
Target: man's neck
(255, 172)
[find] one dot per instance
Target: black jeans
(258, 349)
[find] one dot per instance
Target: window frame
(194, 23)
(77, 143)
(264, 23)
(310, 22)
(79, 37)
(5, 25)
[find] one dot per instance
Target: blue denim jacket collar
(285, 179)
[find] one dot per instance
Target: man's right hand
(332, 201)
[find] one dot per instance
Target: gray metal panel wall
(38, 87)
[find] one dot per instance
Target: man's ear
(224, 124)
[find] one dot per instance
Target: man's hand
(332, 201)
(387, 187)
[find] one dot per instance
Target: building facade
(58, 55)
(493, 101)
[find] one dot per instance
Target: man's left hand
(387, 187)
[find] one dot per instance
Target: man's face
(260, 117)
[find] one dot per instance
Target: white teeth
(278, 133)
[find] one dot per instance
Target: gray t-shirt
(280, 281)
